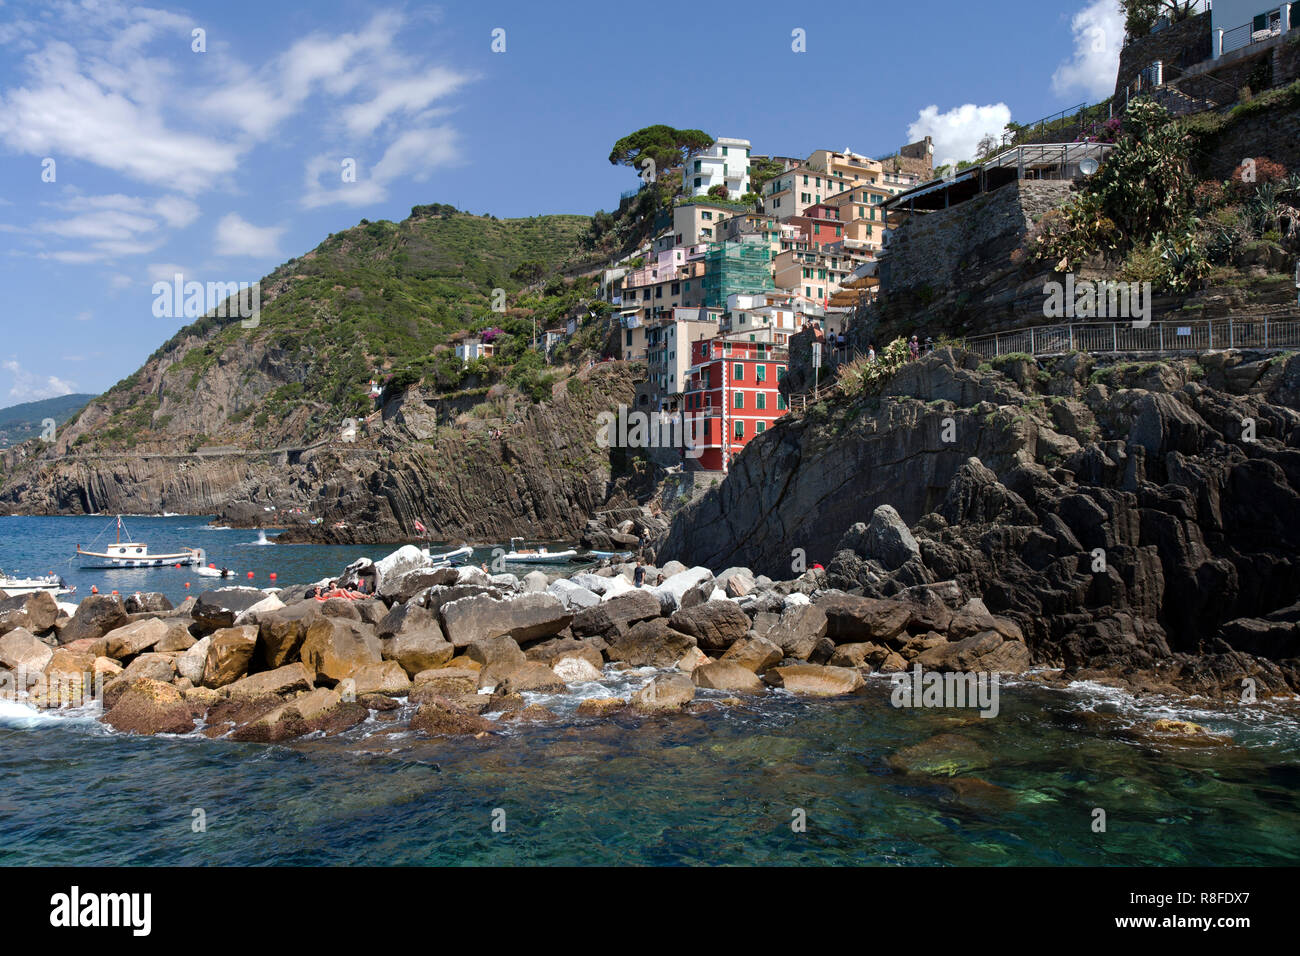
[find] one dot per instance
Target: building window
(780, 402)
(659, 292)
(677, 287)
(697, 182)
(738, 372)
(738, 400)
(706, 216)
(761, 401)
(740, 428)
(762, 427)
(762, 375)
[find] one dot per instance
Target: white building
(471, 349)
(1238, 24)
(726, 162)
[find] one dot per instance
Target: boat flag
(419, 527)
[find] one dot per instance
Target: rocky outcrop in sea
(1139, 521)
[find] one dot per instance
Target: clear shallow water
(717, 788)
(37, 545)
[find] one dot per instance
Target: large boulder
(191, 663)
(438, 716)
(886, 539)
(445, 682)
(666, 692)
(755, 654)
(254, 614)
(417, 651)
(715, 625)
(282, 631)
(552, 651)
(651, 643)
(535, 582)
(320, 709)
(986, 652)
(159, 667)
(726, 675)
(36, 612)
(219, 608)
(528, 618)
(147, 602)
(851, 619)
(21, 651)
(616, 614)
(333, 649)
(387, 677)
(574, 596)
(815, 679)
(177, 640)
(289, 679)
(529, 676)
(150, 707)
(402, 561)
(674, 588)
(435, 598)
(576, 670)
(134, 638)
(229, 655)
(800, 631)
(410, 584)
(95, 617)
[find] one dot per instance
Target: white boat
(16, 586)
(211, 572)
(131, 554)
(459, 556)
(537, 555)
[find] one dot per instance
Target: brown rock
(96, 616)
(755, 654)
(816, 679)
(333, 649)
(601, 706)
(289, 679)
(800, 631)
(650, 644)
(616, 613)
(727, 675)
(151, 707)
(715, 625)
(666, 692)
(282, 632)
(386, 678)
(851, 619)
(229, 655)
(134, 638)
(440, 717)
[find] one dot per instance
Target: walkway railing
(1176, 335)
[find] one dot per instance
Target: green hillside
(381, 300)
(20, 423)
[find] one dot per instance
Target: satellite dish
(1087, 165)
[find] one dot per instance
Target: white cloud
(957, 133)
(30, 387)
(414, 155)
(238, 237)
(84, 316)
(115, 225)
(106, 120)
(1098, 38)
(407, 97)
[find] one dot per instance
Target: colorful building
(725, 163)
(744, 265)
(731, 398)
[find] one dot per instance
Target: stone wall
(1273, 132)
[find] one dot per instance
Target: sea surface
(783, 781)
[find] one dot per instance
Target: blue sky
(221, 164)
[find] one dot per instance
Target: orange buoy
(187, 583)
(212, 566)
(250, 575)
(115, 594)
(94, 589)
(272, 575)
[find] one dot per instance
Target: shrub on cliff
(863, 377)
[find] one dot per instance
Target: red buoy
(272, 575)
(187, 583)
(250, 575)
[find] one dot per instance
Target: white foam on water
(17, 715)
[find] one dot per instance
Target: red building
(730, 397)
(820, 225)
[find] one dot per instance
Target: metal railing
(1166, 336)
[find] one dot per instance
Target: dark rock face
(1123, 516)
(217, 609)
(95, 617)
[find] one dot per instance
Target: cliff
(1122, 514)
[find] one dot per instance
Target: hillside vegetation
(382, 301)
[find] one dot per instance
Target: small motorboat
(15, 586)
(212, 571)
(459, 556)
(600, 555)
(537, 555)
(131, 554)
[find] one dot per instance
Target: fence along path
(1165, 337)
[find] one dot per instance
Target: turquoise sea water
(717, 788)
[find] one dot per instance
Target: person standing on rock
(871, 352)
(638, 576)
(914, 348)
